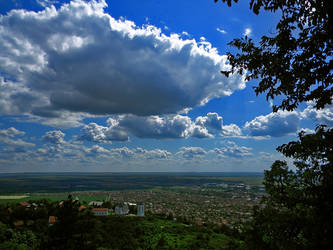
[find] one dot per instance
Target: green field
(13, 197)
(11, 184)
(52, 196)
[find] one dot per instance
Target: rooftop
(100, 209)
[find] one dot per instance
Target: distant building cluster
(97, 209)
(141, 210)
(212, 202)
(120, 209)
(96, 203)
(101, 211)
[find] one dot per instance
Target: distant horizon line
(140, 172)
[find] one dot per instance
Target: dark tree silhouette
(298, 213)
(295, 62)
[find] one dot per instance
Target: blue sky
(134, 86)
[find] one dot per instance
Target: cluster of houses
(97, 210)
(120, 209)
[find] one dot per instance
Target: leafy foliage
(295, 62)
(298, 213)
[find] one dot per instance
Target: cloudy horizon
(114, 87)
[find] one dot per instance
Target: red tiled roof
(82, 207)
(52, 219)
(100, 209)
(23, 203)
(18, 223)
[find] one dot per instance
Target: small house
(18, 223)
(52, 220)
(100, 211)
(141, 210)
(121, 209)
(96, 203)
(82, 208)
(24, 204)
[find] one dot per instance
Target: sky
(134, 86)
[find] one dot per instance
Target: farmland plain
(14, 183)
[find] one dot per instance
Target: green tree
(298, 213)
(61, 234)
(12, 239)
(294, 63)
(162, 243)
(4, 234)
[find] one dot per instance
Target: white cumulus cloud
(210, 121)
(322, 116)
(231, 130)
(54, 137)
(276, 124)
(9, 140)
(157, 127)
(96, 133)
(10, 132)
(231, 149)
(79, 59)
(190, 153)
